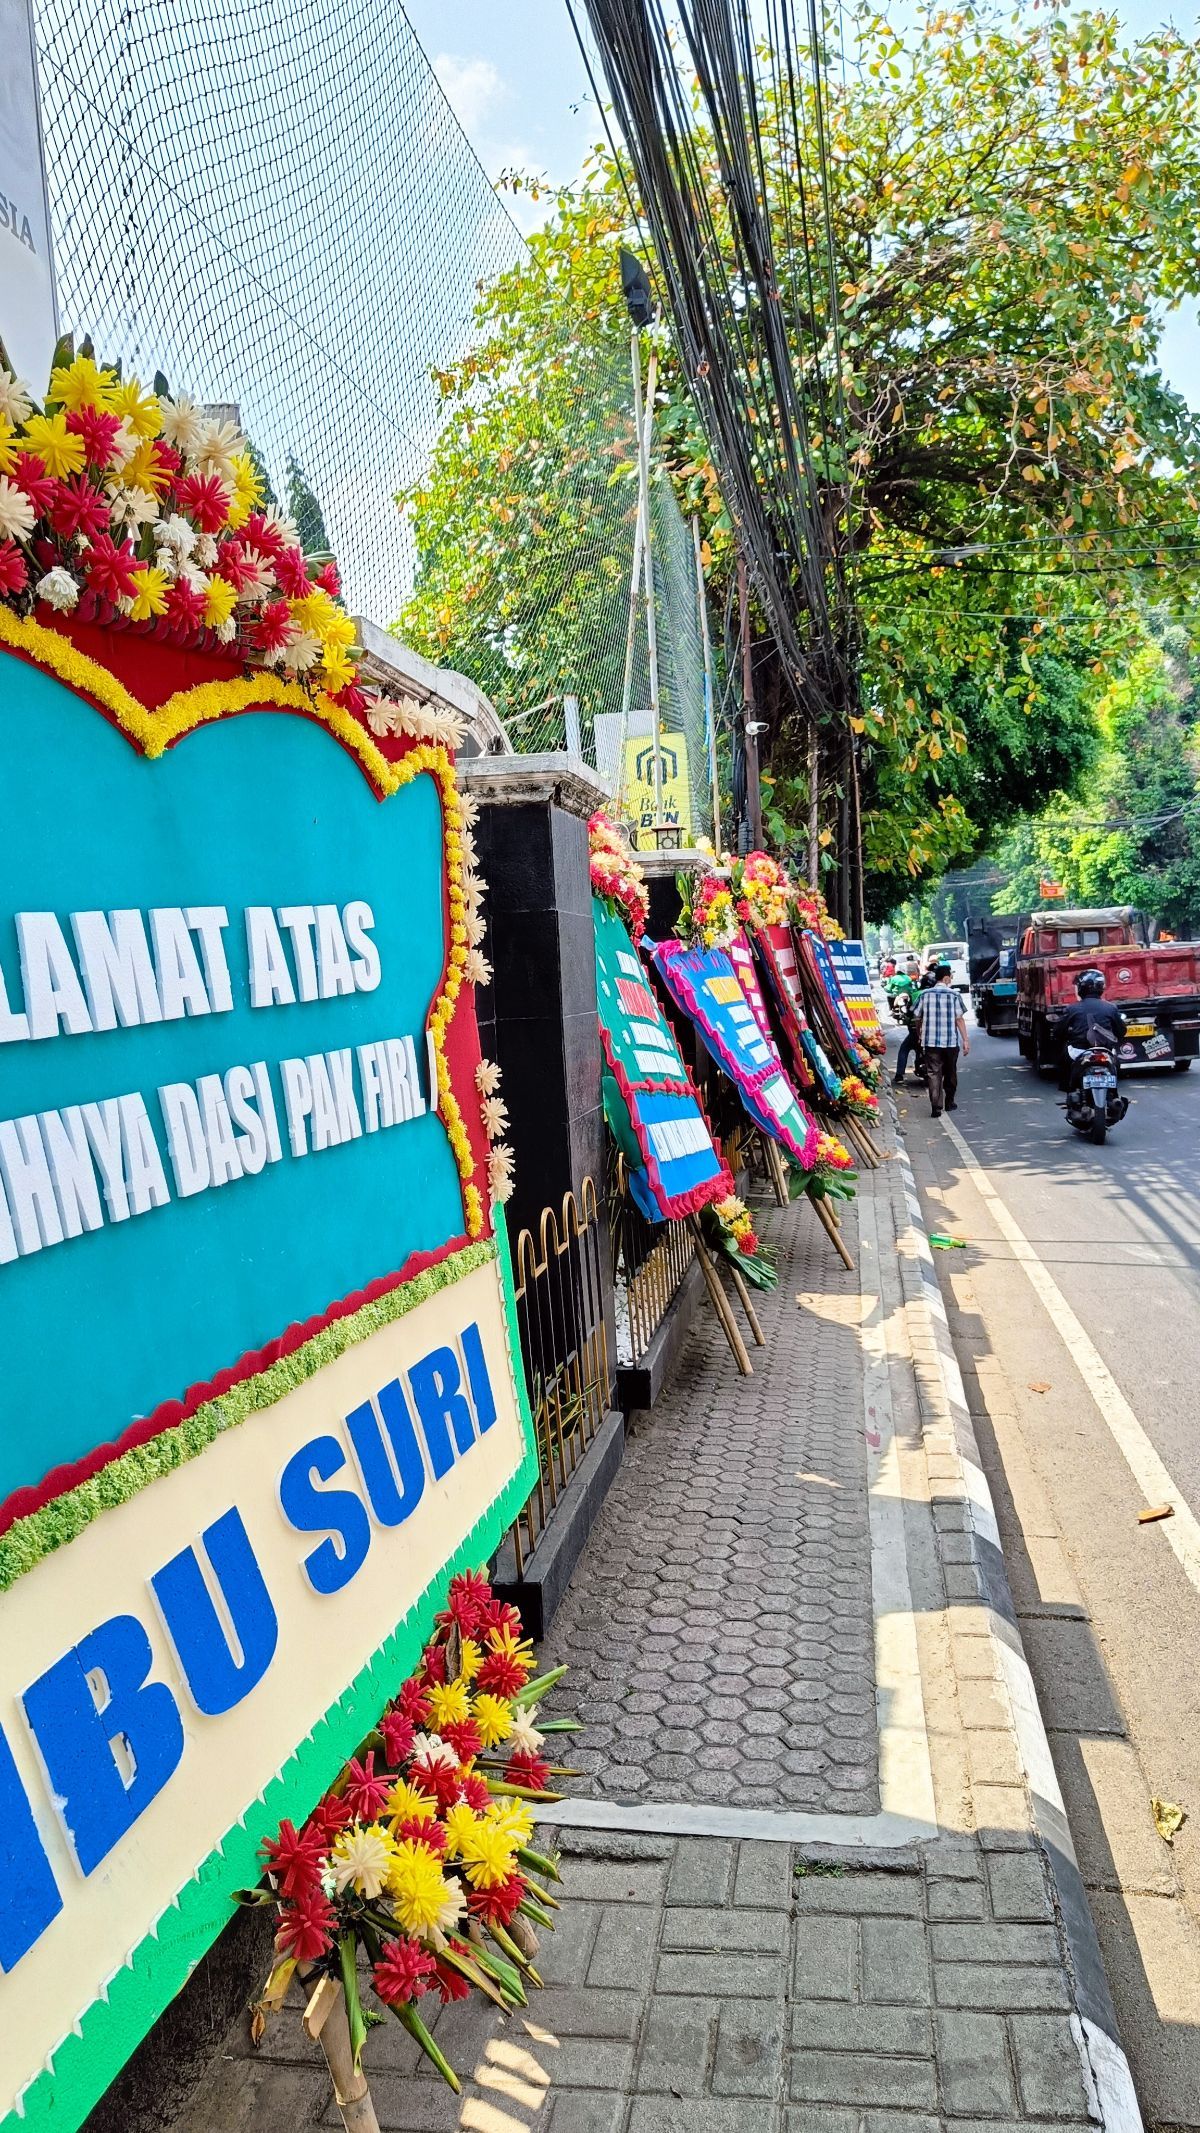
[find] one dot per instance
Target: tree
(305, 511)
(1009, 206)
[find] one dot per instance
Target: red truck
(1156, 986)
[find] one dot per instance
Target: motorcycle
(899, 1002)
(1094, 1101)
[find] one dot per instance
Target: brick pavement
(718, 1626)
(704, 1984)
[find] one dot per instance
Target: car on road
(954, 953)
(1156, 985)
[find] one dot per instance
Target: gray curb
(1106, 2068)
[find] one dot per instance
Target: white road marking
(1151, 1476)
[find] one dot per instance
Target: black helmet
(1090, 984)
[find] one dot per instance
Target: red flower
(76, 508)
(273, 627)
(397, 1733)
(328, 580)
(329, 1819)
(30, 474)
(403, 1971)
(234, 565)
(109, 569)
(364, 1793)
(185, 606)
(499, 1906)
(748, 1244)
(294, 1857)
(497, 1614)
(438, 1781)
(98, 432)
(450, 1982)
(14, 576)
(474, 1791)
(262, 533)
(469, 1593)
(430, 1834)
(306, 1928)
(501, 1675)
(411, 1702)
(433, 1663)
(205, 498)
(525, 1768)
(463, 1737)
(352, 698)
(292, 577)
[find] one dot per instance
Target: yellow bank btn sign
(641, 803)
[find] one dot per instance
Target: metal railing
(564, 1341)
(650, 1262)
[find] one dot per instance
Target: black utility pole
(750, 726)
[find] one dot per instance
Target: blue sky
(517, 83)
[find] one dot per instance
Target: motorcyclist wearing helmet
(1094, 1021)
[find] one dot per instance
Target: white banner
(27, 310)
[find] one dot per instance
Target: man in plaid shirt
(943, 1032)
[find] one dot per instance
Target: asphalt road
(1075, 1310)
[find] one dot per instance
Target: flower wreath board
(777, 954)
(849, 961)
(652, 1109)
(262, 1396)
(703, 982)
(817, 955)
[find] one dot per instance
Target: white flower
(259, 581)
(384, 717)
(301, 652)
(361, 1859)
(524, 1738)
(448, 728)
(470, 809)
(227, 630)
(58, 589)
(500, 1173)
(476, 968)
(220, 444)
(124, 445)
(494, 1113)
(287, 526)
(487, 1077)
(431, 1748)
(205, 550)
(133, 507)
(183, 424)
(16, 400)
(175, 533)
(17, 515)
(453, 1909)
(476, 928)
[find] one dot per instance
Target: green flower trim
(51, 1527)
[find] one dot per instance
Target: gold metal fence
(560, 1315)
(650, 1261)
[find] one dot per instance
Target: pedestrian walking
(943, 1036)
(912, 1040)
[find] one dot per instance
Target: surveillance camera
(756, 725)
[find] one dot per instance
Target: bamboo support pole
(775, 1169)
(739, 1283)
(720, 1302)
(325, 2021)
(828, 1221)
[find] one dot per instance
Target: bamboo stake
(325, 2019)
(775, 1165)
(828, 1223)
(720, 1302)
(739, 1283)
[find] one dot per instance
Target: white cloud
(475, 90)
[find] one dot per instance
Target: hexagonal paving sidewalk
(718, 1626)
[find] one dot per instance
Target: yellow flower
(488, 1855)
(513, 1819)
(141, 408)
(220, 599)
(458, 1822)
(471, 1661)
(8, 450)
(318, 613)
(362, 1859)
(493, 1716)
(49, 437)
(143, 471)
(82, 384)
(337, 670)
(247, 489)
(406, 1802)
(151, 595)
(448, 1704)
(417, 1888)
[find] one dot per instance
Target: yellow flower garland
(207, 701)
